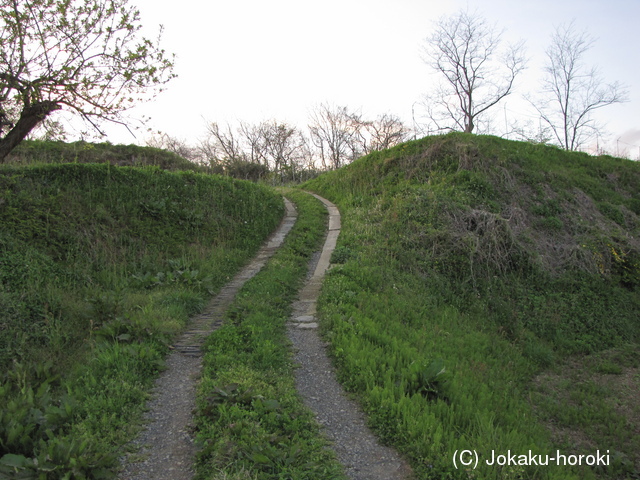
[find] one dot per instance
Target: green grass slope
(99, 267)
(486, 298)
(44, 151)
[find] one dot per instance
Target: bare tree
(571, 91)
(222, 145)
(384, 132)
(253, 136)
(275, 147)
(283, 150)
(334, 132)
(283, 146)
(83, 57)
(476, 72)
(176, 145)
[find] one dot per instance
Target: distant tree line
(335, 136)
(90, 60)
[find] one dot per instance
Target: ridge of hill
(486, 297)
(29, 152)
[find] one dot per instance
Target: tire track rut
(167, 449)
(341, 418)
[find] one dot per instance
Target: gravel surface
(341, 418)
(168, 450)
(166, 447)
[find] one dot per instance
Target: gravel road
(166, 448)
(341, 418)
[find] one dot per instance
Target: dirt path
(168, 451)
(344, 423)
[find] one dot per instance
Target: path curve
(342, 420)
(168, 451)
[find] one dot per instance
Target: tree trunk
(30, 117)
(469, 126)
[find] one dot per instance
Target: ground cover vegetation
(251, 423)
(485, 297)
(100, 266)
(29, 152)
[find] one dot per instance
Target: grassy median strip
(251, 422)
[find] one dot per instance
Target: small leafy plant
(428, 380)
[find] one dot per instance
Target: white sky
(256, 60)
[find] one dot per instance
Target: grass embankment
(100, 266)
(251, 423)
(486, 299)
(43, 151)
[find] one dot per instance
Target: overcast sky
(256, 60)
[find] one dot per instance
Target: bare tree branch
(465, 50)
(334, 132)
(571, 92)
(224, 145)
(83, 57)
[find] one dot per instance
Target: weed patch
(590, 403)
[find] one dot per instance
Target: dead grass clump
(517, 219)
(468, 157)
(442, 156)
(488, 242)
